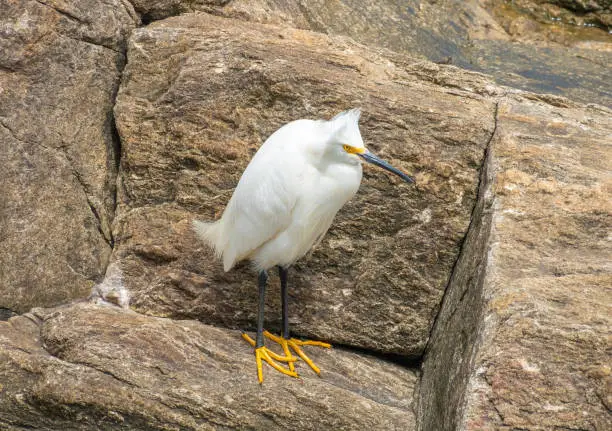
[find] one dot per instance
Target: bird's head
(346, 142)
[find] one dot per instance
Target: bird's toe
(295, 345)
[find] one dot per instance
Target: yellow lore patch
(353, 150)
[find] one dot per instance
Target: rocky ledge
(98, 367)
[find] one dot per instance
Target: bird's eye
(347, 148)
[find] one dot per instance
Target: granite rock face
(91, 367)
(522, 340)
(59, 70)
(377, 278)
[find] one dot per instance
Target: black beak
(371, 158)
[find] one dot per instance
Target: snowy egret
(284, 203)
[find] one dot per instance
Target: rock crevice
(58, 88)
(475, 224)
(447, 362)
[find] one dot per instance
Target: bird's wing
(260, 207)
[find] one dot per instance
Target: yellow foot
(269, 356)
(295, 345)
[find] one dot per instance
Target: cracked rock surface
(522, 340)
(59, 71)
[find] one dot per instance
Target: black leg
(282, 272)
(262, 279)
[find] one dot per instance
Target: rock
(93, 367)
(522, 337)
(417, 27)
(582, 5)
(377, 278)
(573, 12)
(153, 10)
(546, 25)
(515, 45)
(59, 71)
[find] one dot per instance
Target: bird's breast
(341, 182)
(323, 196)
(319, 197)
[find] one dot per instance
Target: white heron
(283, 205)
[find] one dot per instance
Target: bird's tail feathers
(210, 233)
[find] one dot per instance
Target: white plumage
(284, 203)
(289, 193)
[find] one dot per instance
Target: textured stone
(377, 278)
(90, 367)
(522, 341)
(434, 30)
(515, 45)
(573, 12)
(548, 26)
(59, 71)
(152, 10)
